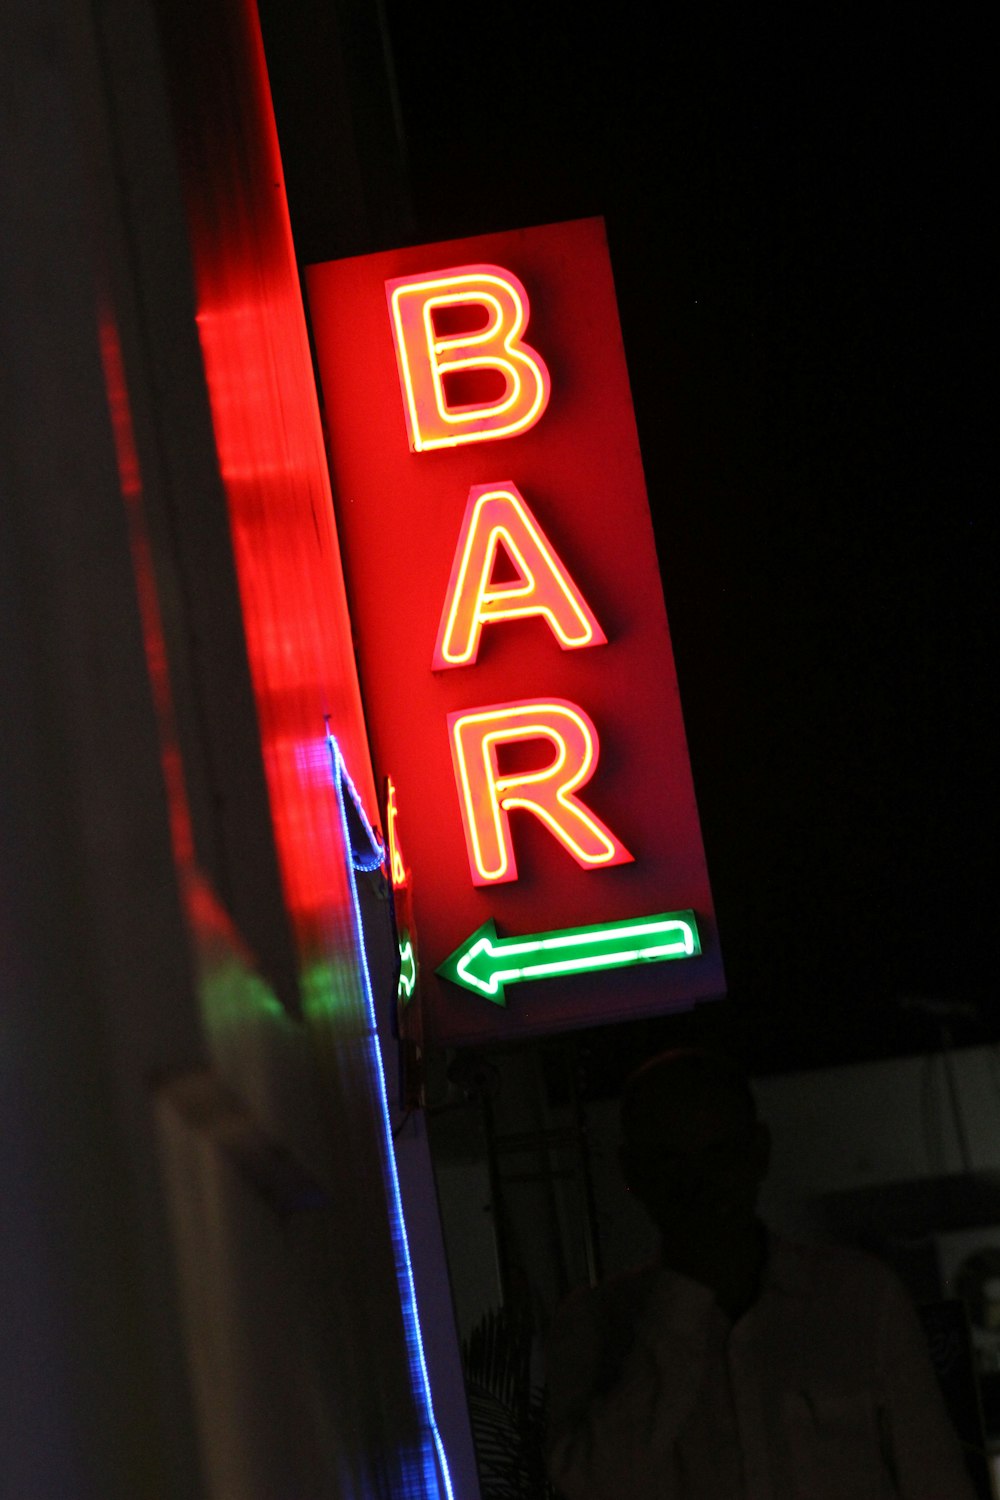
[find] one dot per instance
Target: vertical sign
(512, 637)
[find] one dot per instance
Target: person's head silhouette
(694, 1153)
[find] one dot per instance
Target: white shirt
(823, 1390)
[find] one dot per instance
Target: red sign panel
(511, 631)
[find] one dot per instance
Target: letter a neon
(496, 514)
(487, 797)
(424, 357)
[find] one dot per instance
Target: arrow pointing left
(485, 962)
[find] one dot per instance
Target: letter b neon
(425, 356)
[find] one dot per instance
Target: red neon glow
(496, 515)
(425, 356)
(272, 461)
(397, 865)
(487, 796)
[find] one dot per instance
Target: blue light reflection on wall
(426, 1475)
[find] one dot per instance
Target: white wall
(834, 1130)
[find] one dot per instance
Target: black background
(795, 206)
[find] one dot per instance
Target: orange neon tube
(497, 515)
(424, 357)
(487, 797)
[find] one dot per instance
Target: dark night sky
(795, 208)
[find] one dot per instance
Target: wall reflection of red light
(273, 470)
(273, 466)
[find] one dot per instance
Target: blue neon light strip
(365, 859)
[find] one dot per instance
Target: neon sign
(497, 516)
(407, 970)
(488, 797)
(397, 866)
(485, 963)
(366, 854)
(546, 785)
(426, 358)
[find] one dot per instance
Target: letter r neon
(424, 357)
(487, 797)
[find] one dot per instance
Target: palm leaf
(506, 1411)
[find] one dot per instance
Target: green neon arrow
(407, 971)
(484, 963)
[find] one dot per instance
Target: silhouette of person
(737, 1366)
